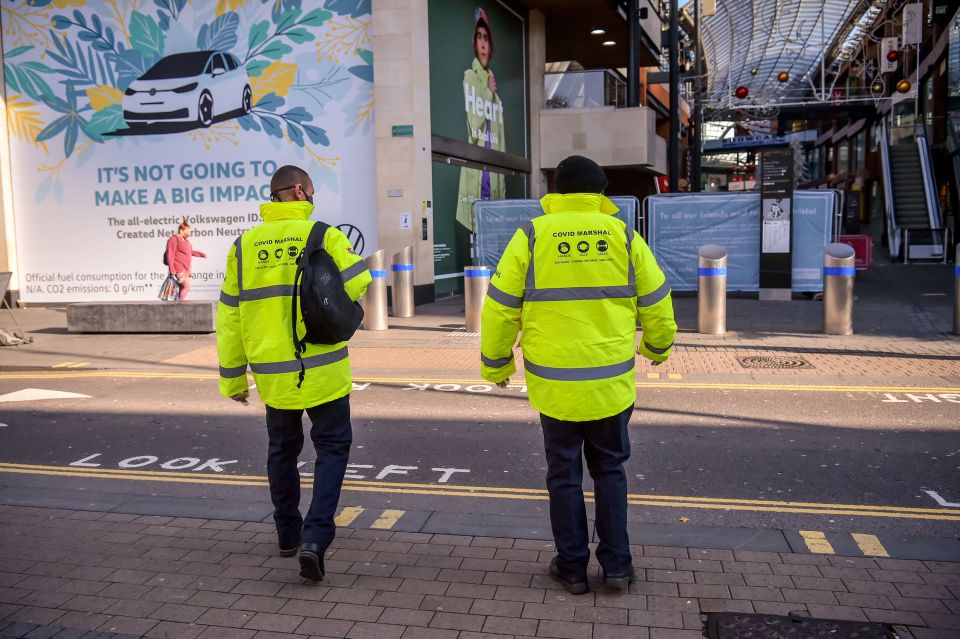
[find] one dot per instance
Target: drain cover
(734, 625)
(774, 361)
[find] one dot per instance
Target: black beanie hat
(577, 174)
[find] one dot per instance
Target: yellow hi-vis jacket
(575, 281)
(253, 318)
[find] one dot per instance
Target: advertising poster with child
(478, 96)
(126, 118)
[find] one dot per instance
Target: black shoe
(619, 582)
(573, 585)
(311, 562)
(291, 551)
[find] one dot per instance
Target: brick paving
(90, 574)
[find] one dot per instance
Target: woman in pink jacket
(180, 254)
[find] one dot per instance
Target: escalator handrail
(893, 232)
(929, 182)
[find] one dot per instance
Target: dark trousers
(605, 443)
(332, 435)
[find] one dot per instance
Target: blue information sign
(498, 220)
(680, 224)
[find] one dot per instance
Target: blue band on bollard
(378, 274)
(402, 267)
(958, 270)
(476, 272)
(840, 271)
(713, 272)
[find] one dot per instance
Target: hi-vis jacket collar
(274, 211)
(579, 202)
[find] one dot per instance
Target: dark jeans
(332, 435)
(606, 446)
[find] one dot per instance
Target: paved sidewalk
(131, 575)
(903, 317)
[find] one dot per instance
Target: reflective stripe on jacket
(574, 283)
(253, 318)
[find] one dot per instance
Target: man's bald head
(287, 177)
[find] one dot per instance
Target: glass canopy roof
(749, 42)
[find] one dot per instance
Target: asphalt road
(842, 459)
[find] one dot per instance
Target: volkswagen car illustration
(198, 87)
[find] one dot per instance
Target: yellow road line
(78, 365)
(674, 376)
(819, 388)
(387, 519)
(653, 375)
(62, 365)
(870, 545)
(493, 492)
(817, 542)
(347, 515)
(485, 489)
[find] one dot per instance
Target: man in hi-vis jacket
(574, 282)
(254, 328)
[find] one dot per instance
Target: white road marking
(37, 394)
(448, 472)
(940, 500)
(892, 398)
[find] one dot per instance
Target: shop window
(859, 151)
(843, 158)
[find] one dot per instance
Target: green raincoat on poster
(484, 123)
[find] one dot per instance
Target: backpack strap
(315, 240)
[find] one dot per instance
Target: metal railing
(929, 181)
(893, 232)
(584, 89)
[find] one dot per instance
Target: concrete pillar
(8, 238)
(536, 63)
(401, 90)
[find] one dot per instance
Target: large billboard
(126, 117)
(478, 96)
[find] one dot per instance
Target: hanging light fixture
(904, 86)
(741, 93)
(877, 88)
(783, 76)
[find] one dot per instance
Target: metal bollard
(956, 292)
(476, 281)
(712, 290)
(838, 274)
(403, 283)
(375, 299)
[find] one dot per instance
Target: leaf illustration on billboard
(146, 36)
(103, 96)
(25, 121)
(220, 34)
(364, 71)
(352, 8)
(26, 77)
(275, 79)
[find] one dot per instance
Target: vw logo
(354, 235)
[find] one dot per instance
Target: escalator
(914, 228)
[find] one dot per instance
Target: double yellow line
(495, 492)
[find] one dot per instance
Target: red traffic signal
(741, 93)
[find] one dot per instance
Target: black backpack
(329, 315)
